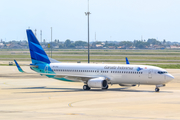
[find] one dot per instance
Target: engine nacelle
(97, 83)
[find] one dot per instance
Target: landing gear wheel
(105, 88)
(86, 87)
(156, 89)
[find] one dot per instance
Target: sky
(111, 20)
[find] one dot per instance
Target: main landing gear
(86, 87)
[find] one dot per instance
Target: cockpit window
(162, 72)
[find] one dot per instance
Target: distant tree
(164, 41)
(72, 45)
(80, 43)
(153, 41)
(61, 46)
(112, 44)
(141, 44)
(98, 42)
(126, 43)
(67, 43)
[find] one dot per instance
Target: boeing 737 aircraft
(94, 75)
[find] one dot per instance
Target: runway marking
(70, 104)
(10, 111)
(72, 114)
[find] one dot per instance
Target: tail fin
(127, 61)
(38, 55)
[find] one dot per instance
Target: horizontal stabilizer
(19, 68)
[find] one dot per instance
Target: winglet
(19, 68)
(127, 62)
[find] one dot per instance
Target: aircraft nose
(169, 77)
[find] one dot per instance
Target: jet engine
(97, 83)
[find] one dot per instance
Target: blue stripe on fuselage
(45, 68)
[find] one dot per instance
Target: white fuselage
(116, 74)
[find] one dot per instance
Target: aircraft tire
(156, 89)
(86, 87)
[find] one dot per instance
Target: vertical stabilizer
(38, 55)
(127, 61)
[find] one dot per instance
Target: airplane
(94, 75)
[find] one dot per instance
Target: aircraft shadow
(125, 89)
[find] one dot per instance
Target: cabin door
(150, 73)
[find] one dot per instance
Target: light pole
(51, 42)
(88, 13)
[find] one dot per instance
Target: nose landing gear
(156, 89)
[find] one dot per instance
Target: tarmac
(35, 97)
